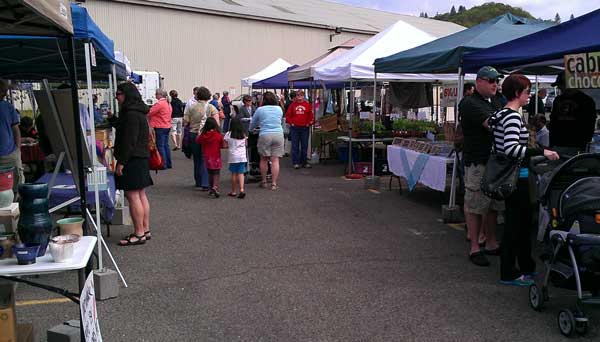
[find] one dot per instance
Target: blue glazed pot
(26, 253)
(35, 223)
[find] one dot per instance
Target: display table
(64, 189)
(10, 270)
(345, 138)
(45, 264)
(416, 167)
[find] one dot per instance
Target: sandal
(241, 195)
(263, 185)
(127, 241)
(232, 194)
(274, 187)
(148, 235)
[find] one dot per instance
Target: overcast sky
(545, 9)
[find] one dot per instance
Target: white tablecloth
(434, 172)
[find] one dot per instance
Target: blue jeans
(299, 137)
(226, 122)
(162, 145)
(200, 171)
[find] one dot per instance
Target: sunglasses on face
(490, 80)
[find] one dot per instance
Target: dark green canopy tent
(444, 55)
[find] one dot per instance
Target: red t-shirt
(212, 142)
(299, 114)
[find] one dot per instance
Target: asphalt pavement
(322, 259)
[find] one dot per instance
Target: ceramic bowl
(62, 247)
(71, 225)
(26, 253)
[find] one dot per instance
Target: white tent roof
(119, 56)
(358, 62)
(273, 69)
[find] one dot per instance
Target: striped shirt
(510, 134)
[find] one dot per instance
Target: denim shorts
(237, 167)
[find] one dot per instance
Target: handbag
(156, 161)
(501, 174)
(186, 142)
(221, 114)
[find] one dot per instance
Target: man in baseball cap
(480, 210)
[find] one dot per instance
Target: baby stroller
(569, 196)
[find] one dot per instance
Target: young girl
(212, 142)
(236, 142)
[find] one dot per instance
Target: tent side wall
(225, 50)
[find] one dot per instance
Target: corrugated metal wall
(191, 49)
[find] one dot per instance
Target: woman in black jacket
(133, 164)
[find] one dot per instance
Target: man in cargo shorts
(480, 211)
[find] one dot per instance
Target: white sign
(93, 54)
(448, 96)
(89, 315)
(365, 115)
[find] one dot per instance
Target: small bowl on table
(62, 247)
(26, 253)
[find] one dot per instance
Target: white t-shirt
(236, 149)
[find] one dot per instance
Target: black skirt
(136, 175)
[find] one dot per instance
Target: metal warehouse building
(217, 42)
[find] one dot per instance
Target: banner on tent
(448, 95)
(582, 70)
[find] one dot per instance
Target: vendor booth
(66, 52)
(272, 69)
(445, 55)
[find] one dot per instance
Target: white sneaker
(296, 166)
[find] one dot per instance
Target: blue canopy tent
(281, 81)
(545, 47)
(34, 58)
(445, 55)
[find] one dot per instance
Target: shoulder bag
(501, 174)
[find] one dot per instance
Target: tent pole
(461, 80)
(116, 82)
(537, 91)
(351, 100)
(110, 92)
(373, 127)
(78, 134)
(88, 70)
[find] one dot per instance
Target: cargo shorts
(476, 202)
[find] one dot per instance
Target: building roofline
(243, 16)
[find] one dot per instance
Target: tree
(572, 17)
(453, 11)
(557, 19)
(461, 9)
(425, 15)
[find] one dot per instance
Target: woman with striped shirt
(510, 138)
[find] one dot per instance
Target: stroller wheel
(566, 322)
(536, 297)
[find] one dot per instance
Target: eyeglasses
(247, 100)
(490, 80)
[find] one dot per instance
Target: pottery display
(7, 241)
(62, 247)
(26, 253)
(35, 223)
(71, 225)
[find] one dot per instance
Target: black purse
(501, 175)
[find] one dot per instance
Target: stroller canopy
(581, 196)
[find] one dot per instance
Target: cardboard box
(9, 217)
(8, 318)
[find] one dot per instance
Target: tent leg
(88, 69)
(451, 212)
(373, 128)
(351, 99)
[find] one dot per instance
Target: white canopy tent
(358, 62)
(271, 70)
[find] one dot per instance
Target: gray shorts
(176, 126)
(270, 145)
(475, 201)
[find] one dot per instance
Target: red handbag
(156, 161)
